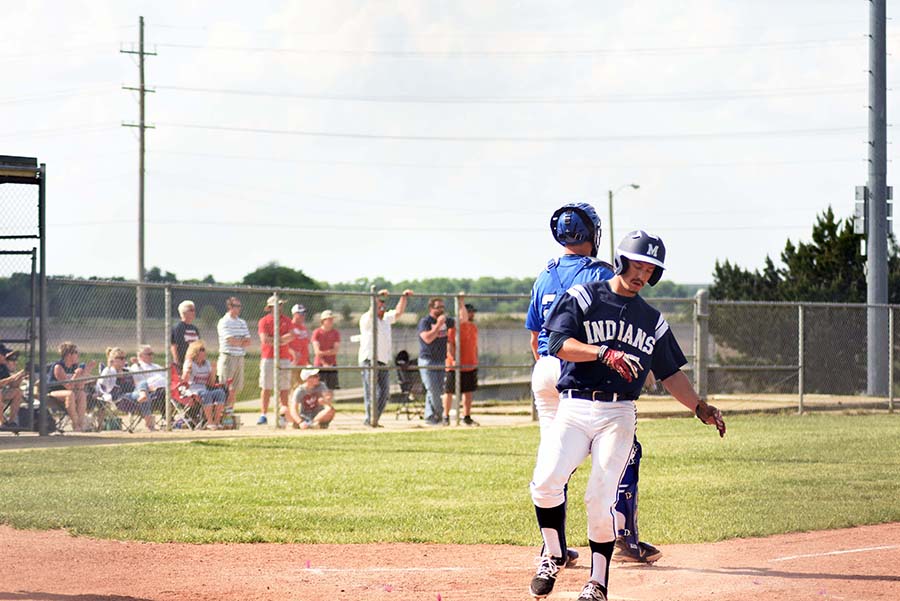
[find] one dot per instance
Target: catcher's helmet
(641, 246)
(576, 222)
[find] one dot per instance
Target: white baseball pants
(603, 430)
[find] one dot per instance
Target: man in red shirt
(326, 341)
(266, 330)
(468, 364)
(299, 346)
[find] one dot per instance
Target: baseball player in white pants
(609, 339)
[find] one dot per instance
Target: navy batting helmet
(576, 222)
(641, 246)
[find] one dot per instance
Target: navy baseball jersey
(560, 275)
(592, 313)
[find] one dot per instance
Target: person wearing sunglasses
(234, 338)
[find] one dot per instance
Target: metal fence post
(701, 330)
(140, 312)
(800, 374)
(276, 359)
(373, 362)
(457, 374)
(167, 327)
(891, 359)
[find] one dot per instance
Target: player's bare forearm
(680, 387)
(534, 344)
(577, 351)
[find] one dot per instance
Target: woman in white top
(111, 385)
(200, 375)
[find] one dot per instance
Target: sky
(414, 139)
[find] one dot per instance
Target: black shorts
(329, 377)
(468, 381)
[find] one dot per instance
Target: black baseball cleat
(640, 553)
(592, 591)
(571, 558)
(544, 577)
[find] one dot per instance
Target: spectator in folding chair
(72, 396)
(311, 404)
(10, 386)
(200, 374)
(113, 387)
(155, 382)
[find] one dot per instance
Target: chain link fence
(814, 351)
(803, 354)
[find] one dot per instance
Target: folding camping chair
(411, 387)
(187, 409)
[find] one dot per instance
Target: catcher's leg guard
(626, 505)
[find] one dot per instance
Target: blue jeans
(212, 396)
(384, 391)
(433, 379)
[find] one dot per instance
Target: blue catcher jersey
(560, 275)
(592, 313)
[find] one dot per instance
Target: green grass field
(770, 474)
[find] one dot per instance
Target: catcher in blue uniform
(576, 226)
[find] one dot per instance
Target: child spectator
(311, 405)
(299, 346)
(326, 342)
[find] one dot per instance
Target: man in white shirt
(234, 338)
(385, 319)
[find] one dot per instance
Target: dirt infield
(854, 564)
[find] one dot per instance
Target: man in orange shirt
(468, 364)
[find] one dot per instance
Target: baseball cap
(298, 308)
(4, 350)
(326, 314)
(306, 374)
(471, 308)
(270, 302)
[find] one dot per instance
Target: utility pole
(140, 309)
(876, 239)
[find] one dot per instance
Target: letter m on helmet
(653, 249)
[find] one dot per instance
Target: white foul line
(862, 550)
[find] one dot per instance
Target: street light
(612, 239)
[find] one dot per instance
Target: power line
(58, 94)
(395, 228)
(86, 128)
(577, 53)
(483, 165)
(824, 131)
(603, 99)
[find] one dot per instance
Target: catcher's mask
(641, 246)
(575, 223)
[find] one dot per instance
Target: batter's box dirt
(852, 564)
